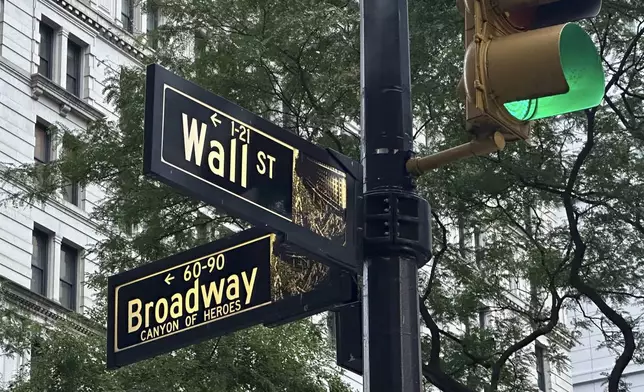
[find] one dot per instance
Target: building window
(68, 264)
(42, 149)
(484, 317)
(39, 241)
(153, 23)
(127, 12)
(73, 68)
(541, 366)
(71, 190)
(36, 355)
(70, 193)
(46, 50)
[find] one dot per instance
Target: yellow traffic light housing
(524, 61)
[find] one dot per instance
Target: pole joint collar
(397, 221)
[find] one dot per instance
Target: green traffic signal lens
(584, 74)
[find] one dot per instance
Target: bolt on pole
(396, 220)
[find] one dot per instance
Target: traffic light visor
(582, 69)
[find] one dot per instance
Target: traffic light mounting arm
(477, 147)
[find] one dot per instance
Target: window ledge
(70, 208)
(41, 85)
(44, 308)
(56, 201)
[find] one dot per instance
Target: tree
(585, 168)
(297, 63)
(141, 220)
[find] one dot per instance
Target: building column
(87, 66)
(53, 277)
(1, 25)
(117, 14)
(137, 18)
(60, 66)
(36, 41)
(80, 281)
(143, 19)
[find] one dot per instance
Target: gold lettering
(193, 139)
(219, 156)
(148, 308)
(176, 309)
(244, 163)
(132, 314)
(194, 291)
(236, 307)
(210, 295)
(261, 166)
(271, 160)
(213, 290)
(249, 285)
(159, 330)
(221, 310)
(233, 158)
(232, 286)
(162, 303)
(153, 333)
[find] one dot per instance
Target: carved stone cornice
(40, 85)
(105, 28)
(38, 307)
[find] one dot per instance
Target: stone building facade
(54, 58)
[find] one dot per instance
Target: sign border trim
(117, 288)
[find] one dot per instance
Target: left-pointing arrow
(169, 278)
(215, 120)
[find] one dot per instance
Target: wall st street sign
(214, 289)
(230, 158)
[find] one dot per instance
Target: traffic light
(525, 61)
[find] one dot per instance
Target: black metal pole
(396, 219)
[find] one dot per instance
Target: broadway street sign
(218, 288)
(228, 157)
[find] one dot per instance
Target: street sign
(214, 289)
(230, 158)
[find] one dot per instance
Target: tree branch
(621, 293)
(477, 360)
(432, 371)
(554, 320)
(575, 266)
(436, 257)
